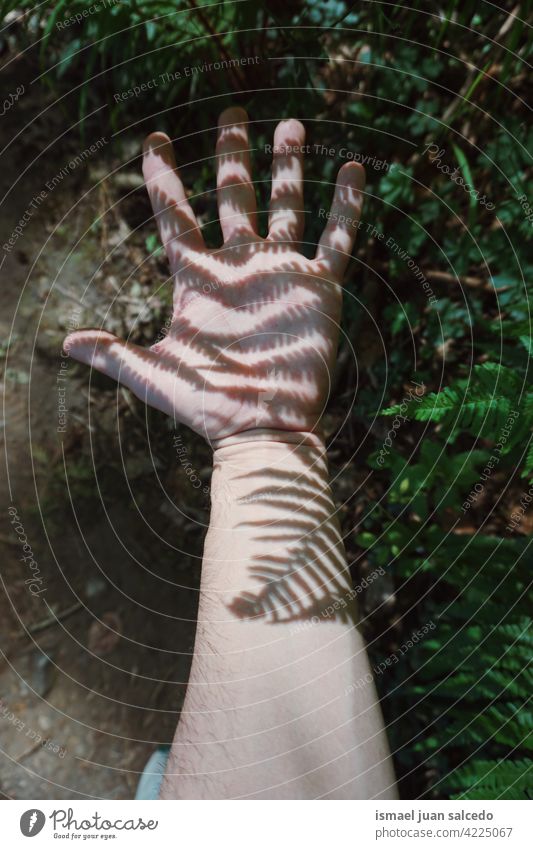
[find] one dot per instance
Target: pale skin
(280, 701)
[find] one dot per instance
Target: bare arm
(280, 701)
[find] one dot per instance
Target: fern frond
(527, 471)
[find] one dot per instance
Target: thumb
(125, 362)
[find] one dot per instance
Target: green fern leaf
(486, 779)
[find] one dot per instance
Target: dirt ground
(95, 655)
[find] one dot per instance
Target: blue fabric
(152, 775)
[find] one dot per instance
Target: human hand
(254, 331)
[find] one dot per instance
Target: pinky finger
(337, 240)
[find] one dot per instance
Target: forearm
(271, 709)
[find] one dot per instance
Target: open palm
(254, 331)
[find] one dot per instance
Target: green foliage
(469, 686)
(466, 692)
(462, 696)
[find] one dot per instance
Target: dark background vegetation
(385, 81)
